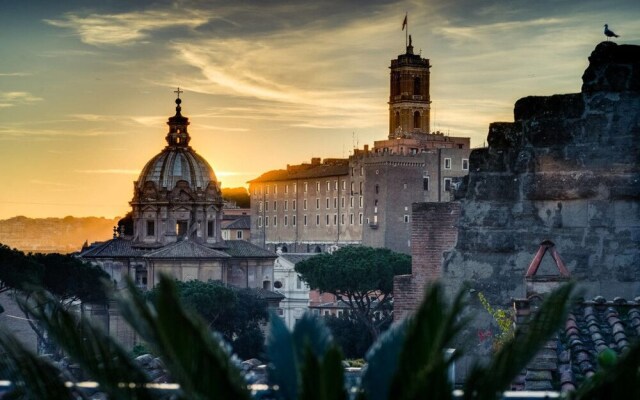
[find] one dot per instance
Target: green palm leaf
(195, 357)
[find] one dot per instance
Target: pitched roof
(268, 294)
(591, 327)
(186, 249)
(241, 222)
(117, 247)
(306, 171)
(244, 249)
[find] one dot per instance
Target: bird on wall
(609, 33)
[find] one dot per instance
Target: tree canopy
(360, 276)
(235, 313)
(239, 195)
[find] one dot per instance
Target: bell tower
(409, 99)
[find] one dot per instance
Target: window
(266, 206)
(342, 219)
(335, 219)
(351, 219)
(335, 185)
(275, 205)
(353, 184)
(286, 189)
(293, 205)
(465, 164)
(317, 219)
(416, 120)
(293, 220)
(360, 187)
(304, 187)
(351, 202)
(447, 163)
(361, 201)
(286, 205)
(317, 186)
(181, 228)
(210, 229)
(295, 187)
(360, 218)
(328, 186)
(304, 220)
(238, 234)
(404, 185)
(377, 188)
(275, 220)
(266, 221)
(342, 202)
(361, 171)
(447, 184)
(416, 86)
(344, 185)
(317, 204)
(327, 219)
(304, 204)
(260, 206)
(259, 222)
(266, 189)
(275, 189)
(406, 218)
(328, 203)
(335, 202)
(286, 220)
(151, 228)
(425, 183)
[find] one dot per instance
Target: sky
(86, 87)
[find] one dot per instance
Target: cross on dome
(178, 91)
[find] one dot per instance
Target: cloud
(109, 171)
(127, 28)
(11, 99)
(49, 183)
(15, 74)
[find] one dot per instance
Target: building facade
(366, 198)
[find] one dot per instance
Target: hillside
(63, 235)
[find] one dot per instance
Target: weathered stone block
(504, 135)
(556, 106)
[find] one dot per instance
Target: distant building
(366, 198)
(176, 228)
(288, 283)
(237, 228)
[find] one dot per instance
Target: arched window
(416, 120)
(396, 85)
(284, 249)
(417, 90)
(317, 250)
(397, 119)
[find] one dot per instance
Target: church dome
(177, 161)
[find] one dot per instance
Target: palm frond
(185, 344)
(99, 355)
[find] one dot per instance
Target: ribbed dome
(178, 161)
(175, 164)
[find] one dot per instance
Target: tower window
(416, 119)
(447, 163)
(417, 90)
(397, 119)
(211, 230)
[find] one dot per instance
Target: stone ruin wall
(567, 170)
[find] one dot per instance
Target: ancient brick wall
(434, 233)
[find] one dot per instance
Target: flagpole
(406, 33)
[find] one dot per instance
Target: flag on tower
(404, 23)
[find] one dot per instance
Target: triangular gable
(547, 246)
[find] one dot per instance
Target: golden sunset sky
(86, 87)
